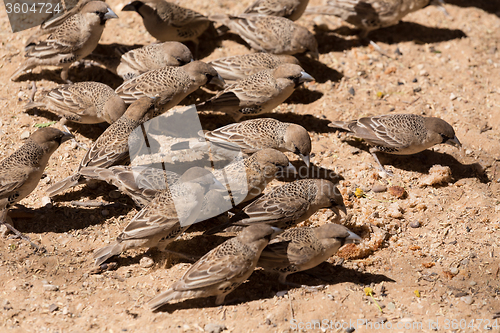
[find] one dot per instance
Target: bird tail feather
(63, 185)
(162, 299)
(103, 254)
(340, 124)
(325, 10)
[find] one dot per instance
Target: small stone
(351, 91)
(473, 283)
(146, 262)
(391, 306)
(406, 320)
(350, 329)
(379, 188)
(423, 72)
(46, 202)
(50, 287)
(395, 211)
(214, 328)
(417, 89)
(467, 300)
(73, 144)
(464, 262)
(354, 150)
(415, 224)
(414, 80)
(65, 311)
(53, 307)
(282, 293)
(114, 194)
(398, 52)
(453, 97)
(454, 270)
(381, 320)
(25, 134)
(105, 212)
(397, 191)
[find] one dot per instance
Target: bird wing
(272, 7)
(11, 181)
(373, 130)
(214, 268)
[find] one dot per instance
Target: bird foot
(18, 234)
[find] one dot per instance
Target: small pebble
(453, 97)
(415, 224)
(25, 134)
(355, 150)
(454, 270)
(467, 300)
(282, 293)
(350, 329)
(53, 307)
(351, 91)
(398, 51)
(105, 212)
(391, 306)
(50, 287)
(417, 89)
(472, 283)
(414, 80)
(146, 262)
(378, 188)
(381, 320)
(214, 328)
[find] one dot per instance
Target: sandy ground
(431, 257)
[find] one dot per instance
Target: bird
(239, 67)
(287, 205)
(168, 215)
(399, 134)
(290, 9)
(256, 134)
(83, 102)
(170, 22)
(129, 61)
(21, 171)
(369, 15)
(259, 93)
(221, 270)
(70, 41)
(141, 183)
(112, 146)
(169, 84)
(247, 177)
(271, 34)
(303, 248)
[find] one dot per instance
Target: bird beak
(454, 142)
(339, 208)
(110, 14)
(67, 136)
(218, 81)
(353, 238)
(306, 159)
(305, 77)
(217, 185)
(313, 55)
(276, 232)
(440, 6)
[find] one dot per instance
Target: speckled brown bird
(169, 84)
(259, 93)
(112, 146)
(290, 9)
(400, 134)
(167, 216)
(369, 15)
(242, 66)
(83, 102)
(287, 205)
(300, 249)
(170, 22)
(129, 61)
(271, 34)
(247, 177)
(255, 134)
(21, 171)
(140, 183)
(221, 270)
(71, 41)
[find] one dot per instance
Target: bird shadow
(304, 96)
(489, 6)
(318, 70)
(207, 45)
(64, 219)
(264, 285)
(310, 122)
(423, 161)
(402, 32)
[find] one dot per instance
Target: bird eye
(444, 137)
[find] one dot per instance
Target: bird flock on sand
(158, 77)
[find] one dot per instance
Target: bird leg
(17, 233)
(379, 49)
(33, 92)
(386, 172)
(79, 145)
